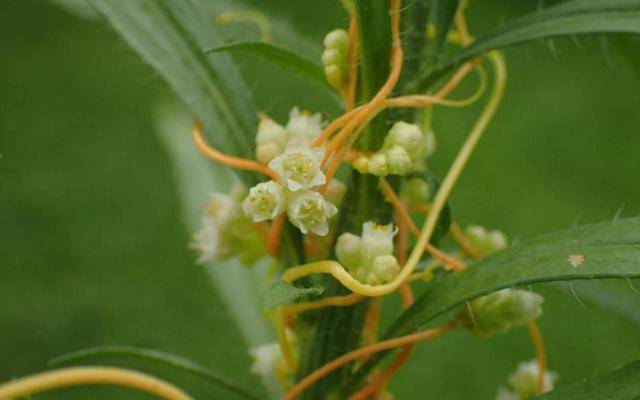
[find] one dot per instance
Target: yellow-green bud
(331, 56)
(385, 267)
(415, 191)
(496, 312)
(337, 39)
(378, 165)
(408, 136)
(398, 160)
(334, 75)
(348, 251)
(267, 152)
(361, 164)
(430, 144)
(270, 131)
(485, 242)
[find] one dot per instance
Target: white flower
(525, 380)
(299, 167)
(265, 201)
(207, 241)
(265, 359)
(377, 240)
(309, 211)
(303, 125)
(220, 208)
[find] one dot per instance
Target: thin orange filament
(231, 161)
(318, 374)
(541, 355)
(463, 242)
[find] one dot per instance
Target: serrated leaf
(280, 56)
(180, 363)
(281, 293)
(619, 384)
(169, 35)
(570, 18)
(608, 250)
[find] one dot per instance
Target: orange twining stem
(456, 78)
(363, 351)
(335, 301)
(403, 214)
(386, 89)
(541, 355)
(379, 380)
(231, 161)
(370, 325)
(464, 243)
(273, 236)
(352, 55)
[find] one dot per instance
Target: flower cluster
(226, 232)
(334, 58)
(485, 242)
(298, 166)
(402, 152)
(524, 382)
(369, 257)
(495, 313)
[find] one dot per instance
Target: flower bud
(266, 359)
(485, 242)
(334, 75)
(207, 241)
(331, 56)
(304, 126)
(385, 267)
(415, 191)
(265, 201)
(377, 240)
(348, 251)
(378, 165)
(525, 381)
(361, 164)
(398, 160)
(337, 39)
(505, 394)
(270, 131)
(309, 211)
(496, 312)
(335, 192)
(299, 167)
(405, 135)
(267, 152)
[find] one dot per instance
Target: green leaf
(611, 250)
(619, 384)
(280, 56)
(169, 35)
(157, 357)
(445, 10)
(570, 18)
(280, 293)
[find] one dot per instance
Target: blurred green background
(93, 250)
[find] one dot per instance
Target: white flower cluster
(226, 232)
(273, 139)
(369, 258)
(334, 57)
(525, 382)
(403, 149)
(298, 166)
(485, 242)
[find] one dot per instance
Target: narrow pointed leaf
(445, 10)
(169, 35)
(620, 384)
(608, 250)
(279, 56)
(570, 18)
(157, 357)
(279, 293)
